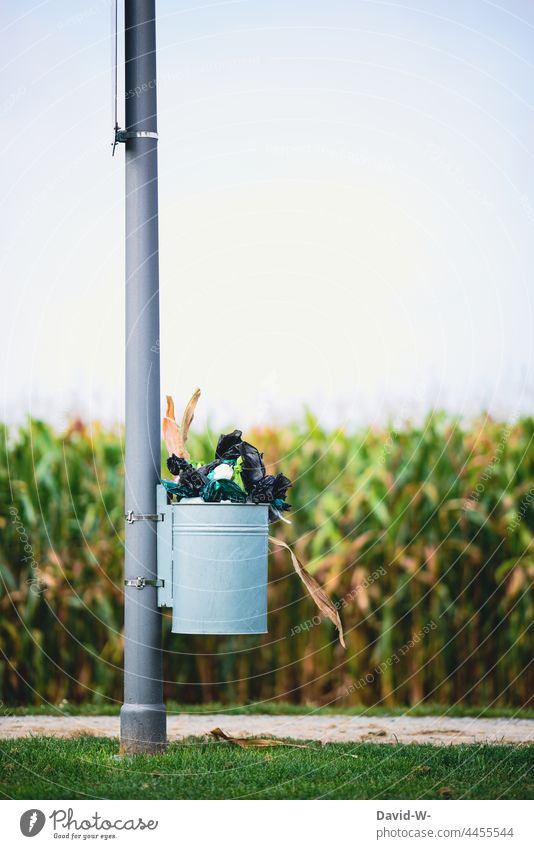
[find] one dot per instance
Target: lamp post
(143, 718)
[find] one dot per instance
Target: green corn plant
(423, 534)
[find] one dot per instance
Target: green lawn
(45, 768)
(272, 707)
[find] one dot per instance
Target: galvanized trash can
(212, 562)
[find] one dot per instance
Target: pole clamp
(122, 136)
(140, 583)
(132, 517)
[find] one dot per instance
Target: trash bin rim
(196, 502)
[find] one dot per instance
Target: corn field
(422, 535)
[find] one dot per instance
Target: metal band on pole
(143, 719)
(140, 583)
(124, 135)
(130, 517)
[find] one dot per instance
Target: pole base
(143, 729)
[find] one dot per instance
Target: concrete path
(438, 730)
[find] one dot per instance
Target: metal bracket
(140, 582)
(165, 551)
(122, 136)
(132, 517)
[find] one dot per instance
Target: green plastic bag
(223, 490)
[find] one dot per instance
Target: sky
(346, 209)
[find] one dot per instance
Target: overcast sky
(346, 208)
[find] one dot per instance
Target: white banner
(260, 825)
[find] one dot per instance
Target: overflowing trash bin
(213, 535)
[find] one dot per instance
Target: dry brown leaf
(315, 590)
(254, 742)
(175, 437)
(263, 742)
(188, 415)
(170, 407)
(171, 431)
(446, 792)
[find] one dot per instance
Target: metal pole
(143, 718)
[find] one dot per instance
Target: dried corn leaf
(315, 590)
(254, 742)
(188, 415)
(175, 437)
(171, 432)
(264, 742)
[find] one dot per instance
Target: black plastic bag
(262, 491)
(252, 469)
(270, 489)
(209, 467)
(280, 487)
(227, 445)
(176, 464)
(230, 447)
(195, 479)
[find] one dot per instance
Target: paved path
(437, 730)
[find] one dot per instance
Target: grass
(47, 768)
(273, 707)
